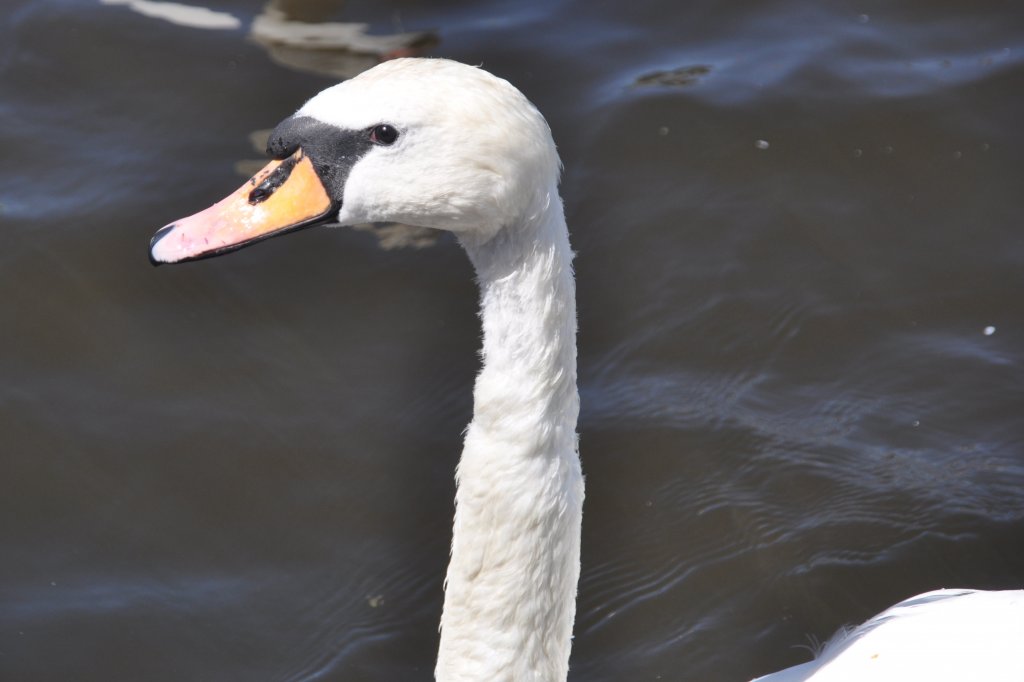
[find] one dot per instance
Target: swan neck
(528, 314)
(511, 584)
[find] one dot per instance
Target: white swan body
(940, 635)
(438, 144)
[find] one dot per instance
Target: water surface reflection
(793, 412)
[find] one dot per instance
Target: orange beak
(284, 196)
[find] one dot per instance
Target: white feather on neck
(511, 584)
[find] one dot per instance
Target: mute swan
(444, 145)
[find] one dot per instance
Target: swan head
(425, 142)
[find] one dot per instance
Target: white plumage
(476, 158)
(941, 635)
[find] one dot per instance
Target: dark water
(800, 229)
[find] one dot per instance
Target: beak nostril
(275, 179)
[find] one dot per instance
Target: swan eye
(383, 134)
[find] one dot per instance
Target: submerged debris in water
(398, 236)
(684, 75)
(761, 144)
(990, 330)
